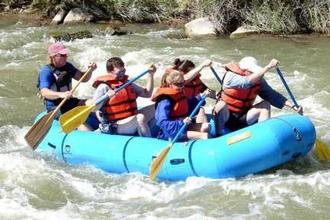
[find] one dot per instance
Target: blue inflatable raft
(250, 150)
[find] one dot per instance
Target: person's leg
(201, 116)
(202, 120)
(193, 135)
(200, 127)
(221, 115)
(143, 128)
(127, 126)
(85, 127)
(258, 112)
(130, 125)
(148, 111)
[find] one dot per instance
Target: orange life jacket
(121, 105)
(180, 101)
(194, 87)
(239, 100)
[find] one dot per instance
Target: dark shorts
(68, 104)
(236, 121)
(92, 120)
(72, 103)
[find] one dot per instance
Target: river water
(36, 187)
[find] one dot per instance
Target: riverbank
(275, 17)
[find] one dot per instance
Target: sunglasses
(61, 55)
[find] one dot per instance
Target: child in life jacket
(193, 83)
(173, 107)
(119, 114)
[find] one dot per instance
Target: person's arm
(169, 126)
(298, 109)
(275, 98)
(194, 72)
(100, 91)
(52, 95)
(78, 74)
(254, 77)
(146, 91)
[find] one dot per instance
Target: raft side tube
(279, 145)
(104, 151)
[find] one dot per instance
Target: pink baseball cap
(57, 48)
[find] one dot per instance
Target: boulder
(78, 15)
(65, 36)
(244, 31)
(116, 31)
(59, 17)
(200, 27)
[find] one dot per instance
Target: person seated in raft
(55, 82)
(193, 85)
(119, 115)
(189, 75)
(242, 83)
(173, 107)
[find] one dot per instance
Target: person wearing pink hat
(55, 80)
(242, 83)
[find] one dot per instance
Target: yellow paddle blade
(322, 151)
(39, 130)
(158, 162)
(75, 117)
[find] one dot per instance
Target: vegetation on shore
(275, 16)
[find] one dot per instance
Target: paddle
(38, 131)
(78, 115)
(321, 148)
(216, 75)
(160, 159)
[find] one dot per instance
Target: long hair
(186, 66)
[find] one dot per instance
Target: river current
(37, 187)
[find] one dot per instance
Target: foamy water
(36, 187)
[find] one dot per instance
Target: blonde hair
(174, 76)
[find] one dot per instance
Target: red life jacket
(121, 105)
(239, 100)
(194, 87)
(180, 101)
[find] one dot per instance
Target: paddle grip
(287, 87)
(106, 96)
(191, 115)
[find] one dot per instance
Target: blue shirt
(46, 79)
(170, 127)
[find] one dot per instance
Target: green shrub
(318, 15)
(226, 14)
(272, 15)
(277, 16)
